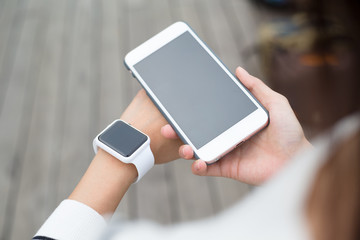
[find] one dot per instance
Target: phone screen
(198, 94)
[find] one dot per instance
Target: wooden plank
(243, 16)
(162, 19)
(151, 192)
(201, 11)
(223, 191)
(62, 77)
(68, 93)
(228, 191)
(129, 205)
(33, 192)
(95, 64)
(220, 34)
(13, 118)
(7, 57)
(138, 18)
(7, 14)
(184, 10)
(114, 79)
(194, 192)
(2, 3)
(134, 12)
(75, 157)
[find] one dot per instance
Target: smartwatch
(127, 144)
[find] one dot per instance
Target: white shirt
(273, 211)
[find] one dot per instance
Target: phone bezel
(227, 140)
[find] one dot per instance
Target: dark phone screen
(202, 99)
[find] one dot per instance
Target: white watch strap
(143, 162)
(143, 159)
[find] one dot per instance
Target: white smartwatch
(127, 144)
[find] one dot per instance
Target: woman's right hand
(262, 155)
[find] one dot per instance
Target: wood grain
(62, 80)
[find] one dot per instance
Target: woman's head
(334, 202)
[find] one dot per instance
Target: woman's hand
(143, 115)
(261, 156)
(107, 179)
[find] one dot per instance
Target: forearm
(107, 179)
(104, 184)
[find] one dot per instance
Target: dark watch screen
(122, 138)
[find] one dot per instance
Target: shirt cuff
(73, 220)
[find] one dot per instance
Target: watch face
(123, 138)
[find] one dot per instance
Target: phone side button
(132, 73)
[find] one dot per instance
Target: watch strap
(143, 162)
(143, 159)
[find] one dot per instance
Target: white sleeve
(73, 220)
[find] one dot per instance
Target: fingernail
(183, 152)
(162, 131)
(197, 166)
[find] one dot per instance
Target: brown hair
(334, 202)
(333, 206)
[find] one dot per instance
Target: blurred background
(62, 80)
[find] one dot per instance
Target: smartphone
(202, 100)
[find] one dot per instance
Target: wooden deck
(62, 80)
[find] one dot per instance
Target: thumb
(257, 87)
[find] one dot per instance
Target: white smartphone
(206, 105)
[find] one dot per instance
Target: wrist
(104, 183)
(113, 166)
(126, 143)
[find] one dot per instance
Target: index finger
(168, 132)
